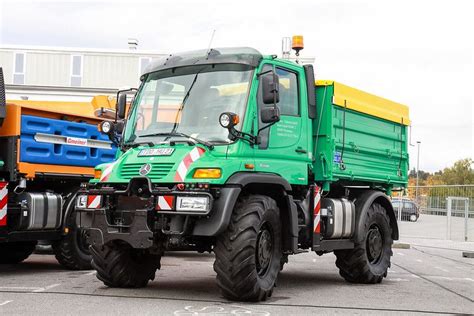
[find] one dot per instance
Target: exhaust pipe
(3, 100)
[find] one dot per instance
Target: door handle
(300, 150)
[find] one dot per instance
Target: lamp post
(417, 171)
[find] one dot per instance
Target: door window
(288, 92)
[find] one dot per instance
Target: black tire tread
(66, 252)
(116, 268)
(353, 264)
(235, 251)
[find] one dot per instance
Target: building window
(76, 70)
(143, 63)
(19, 68)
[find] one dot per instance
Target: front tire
(120, 265)
(16, 252)
(248, 253)
(369, 261)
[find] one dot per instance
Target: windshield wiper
(171, 134)
(134, 145)
(186, 96)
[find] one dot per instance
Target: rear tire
(369, 261)
(248, 253)
(120, 265)
(16, 252)
(72, 251)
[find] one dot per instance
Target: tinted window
(288, 92)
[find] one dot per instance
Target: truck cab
(236, 153)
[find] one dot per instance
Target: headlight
(224, 120)
(106, 127)
(192, 204)
(81, 201)
(212, 173)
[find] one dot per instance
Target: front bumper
(142, 225)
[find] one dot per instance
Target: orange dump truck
(46, 150)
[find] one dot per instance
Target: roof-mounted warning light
(297, 43)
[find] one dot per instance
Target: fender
(245, 178)
(69, 206)
(366, 199)
(222, 210)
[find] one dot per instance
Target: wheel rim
(82, 243)
(374, 245)
(264, 250)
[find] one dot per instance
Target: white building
(45, 73)
(68, 74)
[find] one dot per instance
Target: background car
(410, 211)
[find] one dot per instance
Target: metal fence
(445, 211)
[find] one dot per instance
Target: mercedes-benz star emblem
(145, 169)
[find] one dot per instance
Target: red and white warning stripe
(317, 210)
(183, 167)
(107, 171)
(94, 201)
(3, 203)
(165, 203)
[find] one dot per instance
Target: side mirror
(270, 114)
(121, 105)
(2, 98)
(119, 126)
(270, 86)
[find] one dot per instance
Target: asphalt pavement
(431, 277)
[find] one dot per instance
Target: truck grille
(159, 170)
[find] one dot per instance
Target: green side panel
(353, 146)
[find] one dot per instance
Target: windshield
(189, 101)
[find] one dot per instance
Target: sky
(416, 52)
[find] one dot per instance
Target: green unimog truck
(249, 157)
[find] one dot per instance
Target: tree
(422, 175)
(460, 173)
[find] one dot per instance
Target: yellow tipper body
(367, 103)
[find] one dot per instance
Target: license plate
(156, 152)
(133, 203)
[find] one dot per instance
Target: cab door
(284, 147)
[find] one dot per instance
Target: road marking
(439, 268)
(19, 288)
(446, 278)
(46, 288)
(400, 254)
(469, 279)
(419, 260)
(90, 273)
(5, 303)
(398, 280)
(414, 276)
(218, 310)
(314, 260)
